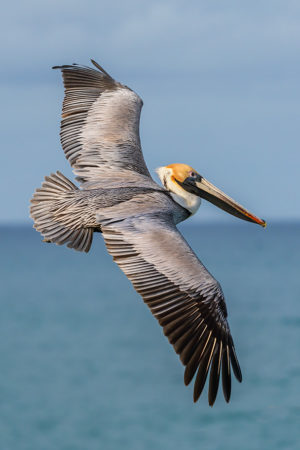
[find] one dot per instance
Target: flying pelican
(138, 218)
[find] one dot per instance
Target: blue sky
(220, 83)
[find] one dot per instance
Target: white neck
(184, 198)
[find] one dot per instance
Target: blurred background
(83, 363)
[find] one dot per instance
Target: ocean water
(84, 365)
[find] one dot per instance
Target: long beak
(209, 192)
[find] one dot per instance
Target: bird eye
(192, 174)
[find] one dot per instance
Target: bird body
(138, 218)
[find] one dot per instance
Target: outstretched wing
(183, 296)
(100, 129)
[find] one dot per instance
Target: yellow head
(187, 188)
(173, 177)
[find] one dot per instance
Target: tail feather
(57, 215)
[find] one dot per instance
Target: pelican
(137, 218)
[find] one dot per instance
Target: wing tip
(71, 66)
(234, 362)
(101, 69)
(229, 360)
(187, 378)
(65, 66)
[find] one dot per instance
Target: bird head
(188, 187)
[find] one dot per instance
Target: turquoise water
(85, 366)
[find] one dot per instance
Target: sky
(220, 83)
